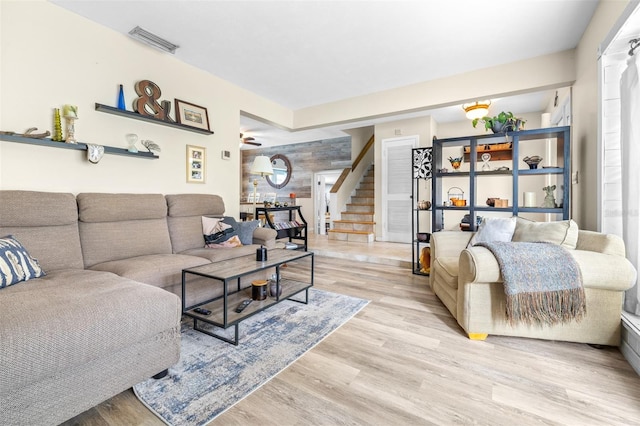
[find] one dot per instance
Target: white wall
(52, 57)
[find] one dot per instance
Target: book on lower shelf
(287, 225)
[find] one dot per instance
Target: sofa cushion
(72, 317)
(563, 232)
(16, 265)
(494, 229)
(105, 207)
(160, 270)
(122, 226)
(46, 223)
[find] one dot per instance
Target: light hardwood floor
(403, 360)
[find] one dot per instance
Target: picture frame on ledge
(196, 164)
(192, 115)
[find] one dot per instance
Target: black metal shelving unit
(560, 134)
(284, 229)
(421, 172)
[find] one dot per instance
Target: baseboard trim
(630, 346)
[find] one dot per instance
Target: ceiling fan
(249, 140)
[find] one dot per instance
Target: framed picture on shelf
(270, 197)
(195, 164)
(192, 115)
(250, 197)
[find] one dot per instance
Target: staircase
(356, 222)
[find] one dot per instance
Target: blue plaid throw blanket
(542, 282)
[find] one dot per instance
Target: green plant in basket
(503, 122)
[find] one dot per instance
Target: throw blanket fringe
(542, 283)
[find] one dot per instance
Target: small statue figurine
(549, 199)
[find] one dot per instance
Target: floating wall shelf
(79, 146)
(149, 119)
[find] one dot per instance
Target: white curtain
(630, 149)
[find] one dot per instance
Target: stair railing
(363, 152)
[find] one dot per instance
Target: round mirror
(281, 171)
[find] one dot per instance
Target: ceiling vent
(153, 40)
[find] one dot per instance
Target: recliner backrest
(122, 226)
(185, 218)
(46, 223)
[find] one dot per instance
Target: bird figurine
(150, 145)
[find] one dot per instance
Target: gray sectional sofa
(107, 313)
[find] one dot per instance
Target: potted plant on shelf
(503, 122)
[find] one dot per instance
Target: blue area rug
(212, 376)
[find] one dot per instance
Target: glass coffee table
(294, 275)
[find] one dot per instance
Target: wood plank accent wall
(306, 159)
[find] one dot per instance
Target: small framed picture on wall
(195, 164)
(192, 115)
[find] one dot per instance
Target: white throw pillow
(494, 229)
(562, 232)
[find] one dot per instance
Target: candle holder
(71, 130)
(70, 113)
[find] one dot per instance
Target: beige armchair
(469, 283)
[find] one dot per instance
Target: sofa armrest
(601, 243)
(265, 237)
(478, 264)
(449, 243)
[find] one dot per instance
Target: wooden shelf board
(77, 146)
(134, 115)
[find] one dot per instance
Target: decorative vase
(121, 99)
(424, 205)
(455, 163)
(57, 126)
(532, 161)
(274, 290)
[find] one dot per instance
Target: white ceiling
(305, 53)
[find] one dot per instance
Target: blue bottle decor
(121, 99)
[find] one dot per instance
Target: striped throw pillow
(16, 265)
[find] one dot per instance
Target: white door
(396, 188)
(320, 204)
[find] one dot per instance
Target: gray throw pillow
(494, 229)
(245, 230)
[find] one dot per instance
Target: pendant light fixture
(477, 109)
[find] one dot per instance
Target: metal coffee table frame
(222, 308)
